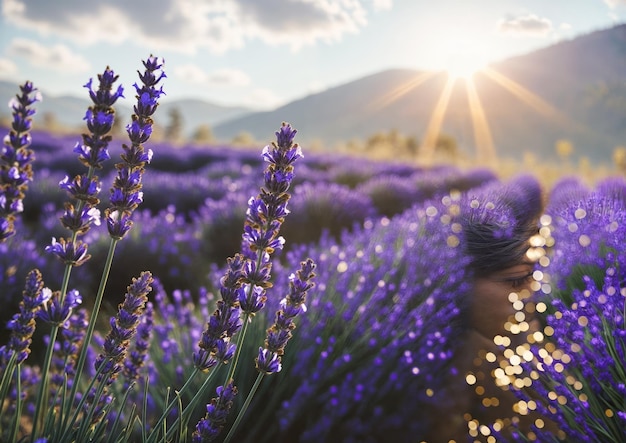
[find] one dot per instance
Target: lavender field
(272, 294)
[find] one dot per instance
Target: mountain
(197, 112)
(69, 110)
(573, 90)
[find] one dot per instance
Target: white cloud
(301, 22)
(190, 73)
(221, 77)
(525, 25)
(615, 3)
(229, 77)
(8, 69)
(57, 57)
(191, 25)
(382, 5)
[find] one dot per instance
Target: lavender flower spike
(16, 159)
(83, 190)
(244, 286)
(110, 362)
(214, 343)
(248, 276)
(66, 351)
(139, 354)
(123, 328)
(99, 117)
(268, 360)
(209, 427)
(22, 325)
(126, 193)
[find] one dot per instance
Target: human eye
(518, 282)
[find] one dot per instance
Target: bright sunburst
(458, 59)
(464, 66)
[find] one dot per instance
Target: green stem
(190, 407)
(87, 420)
(239, 345)
(93, 319)
(144, 411)
(18, 406)
(242, 412)
(43, 384)
(67, 427)
(7, 376)
(170, 406)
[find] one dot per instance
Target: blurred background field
(381, 145)
(553, 111)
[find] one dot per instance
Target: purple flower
(320, 207)
(119, 223)
(22, 326)
(86, 153)
(578, 367)
(66, 350)
(380, 332)
(99, 118)
(139, 354)
(247, 276)
(204, 360)
(123, 328)
(80, 222)
(224, 350)
(57, 311)
(292, 305)
(209, 427)
(82, 188)
(71, 253)
(268, 362)
(16, 159)
(126, 193)
(252, 299)
(103, 96)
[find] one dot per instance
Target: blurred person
(498, 224)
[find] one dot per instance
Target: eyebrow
(509, 278)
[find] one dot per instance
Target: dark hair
(498, 221)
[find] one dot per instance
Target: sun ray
(401, 90)
(434, 125)
(485, 148)
(526, 96)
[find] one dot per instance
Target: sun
(464, 66)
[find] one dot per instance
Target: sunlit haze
(265, 53)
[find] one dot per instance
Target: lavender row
(73, 393)
(190, 219)
(580, 380)
(375, 352)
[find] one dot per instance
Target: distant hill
(197, 112)
(573, 90)
(69, 111)
(579, 89)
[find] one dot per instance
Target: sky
(264, 53)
